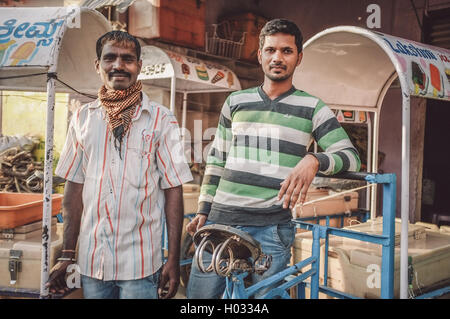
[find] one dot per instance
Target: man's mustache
(271, 66)
(122, 73)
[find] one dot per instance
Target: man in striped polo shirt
(258, 166)
(124, 165)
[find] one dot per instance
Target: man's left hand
(297, 183)
(170, 274)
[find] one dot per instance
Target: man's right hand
(197, 222)
(57, 278)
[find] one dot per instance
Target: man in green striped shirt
(258, 166)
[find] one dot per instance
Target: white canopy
(58, 42)
(192, 75)
(351, 68)
(33, 40)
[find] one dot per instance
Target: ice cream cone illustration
(4, 47)
(185, 70)
(230, 79)
(23, 52)
(419, 79)
(202, 73)
(362, 117)
(219, 76)
(340, 116)
(435, 76)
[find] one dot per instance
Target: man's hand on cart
(295, 187)
(57, 279)
(196, 223)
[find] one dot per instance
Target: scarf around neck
(120, 106)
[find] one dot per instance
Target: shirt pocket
(141, 159)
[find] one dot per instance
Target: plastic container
(354, 265)
(28, 263)
(17, 209)
(330, 206)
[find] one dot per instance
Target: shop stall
(351, 69)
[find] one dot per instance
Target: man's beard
(278, 78)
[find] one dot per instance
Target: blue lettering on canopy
(36, 30)
(410, 50)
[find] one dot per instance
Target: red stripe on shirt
(73, 160)
(109, 217)
(98, 203)
(120, 202)
(165, 169)
(156, 121)
(142, 215)
(171, 160)
(137, 110)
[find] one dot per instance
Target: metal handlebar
(233, 251)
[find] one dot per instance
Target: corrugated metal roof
(121, 5)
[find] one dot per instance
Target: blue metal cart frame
(235, 284)
(291, 278)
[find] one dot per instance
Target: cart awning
(351, 66)
(30, 39)
(192, 75)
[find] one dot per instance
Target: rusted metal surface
(19, 172)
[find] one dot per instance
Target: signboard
(159, 64)
(347, 116)
(426, 68)
(29, 38)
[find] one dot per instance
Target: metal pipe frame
(234, 283)
(387, 239)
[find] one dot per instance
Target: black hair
(282, 26)
(117, 36)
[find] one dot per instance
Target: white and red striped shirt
(123, 197)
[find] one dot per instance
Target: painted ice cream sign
(426, 68)
(186, 68)
(28, 40)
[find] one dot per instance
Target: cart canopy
(192, 75)
(34, 40)
(352, 66)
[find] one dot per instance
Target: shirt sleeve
(339, 153)
(71, 160)
(216, 159)
(171, 161)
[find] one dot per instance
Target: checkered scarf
(120, 106)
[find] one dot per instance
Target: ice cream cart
(52, 50)
(351, 68)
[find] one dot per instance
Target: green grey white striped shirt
(257, 143)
